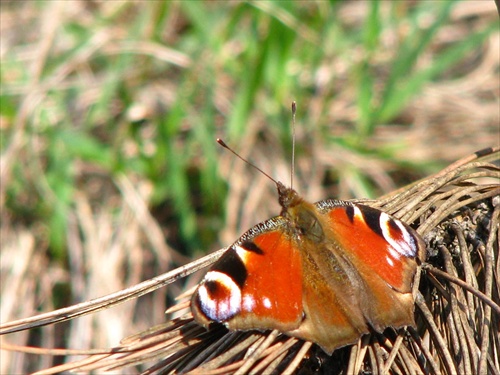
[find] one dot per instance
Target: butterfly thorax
(301, 214)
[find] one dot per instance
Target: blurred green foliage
(262, 55)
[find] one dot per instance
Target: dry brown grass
(457, 211)
(113, 239)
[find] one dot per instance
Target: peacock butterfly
(326, 272)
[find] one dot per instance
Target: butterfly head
(288, 198)
(300, 214)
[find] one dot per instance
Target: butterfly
(327, 272)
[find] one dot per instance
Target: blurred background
(109, 111)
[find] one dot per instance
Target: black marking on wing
(212, 288)
(252, 246)
(349, 210)
(372, 219)
(395, 228)
(232, 265)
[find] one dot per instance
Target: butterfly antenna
(292, 169)
(223, 144)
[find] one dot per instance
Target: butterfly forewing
(376, 242)
(385, 253)
(255, 284)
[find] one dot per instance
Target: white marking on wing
(267, 303)
(248, 303)
(220, 309)
(242, 252)
(358, 214)
(389, 261)
(404, 247)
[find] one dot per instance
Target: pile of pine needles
(457, 211)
